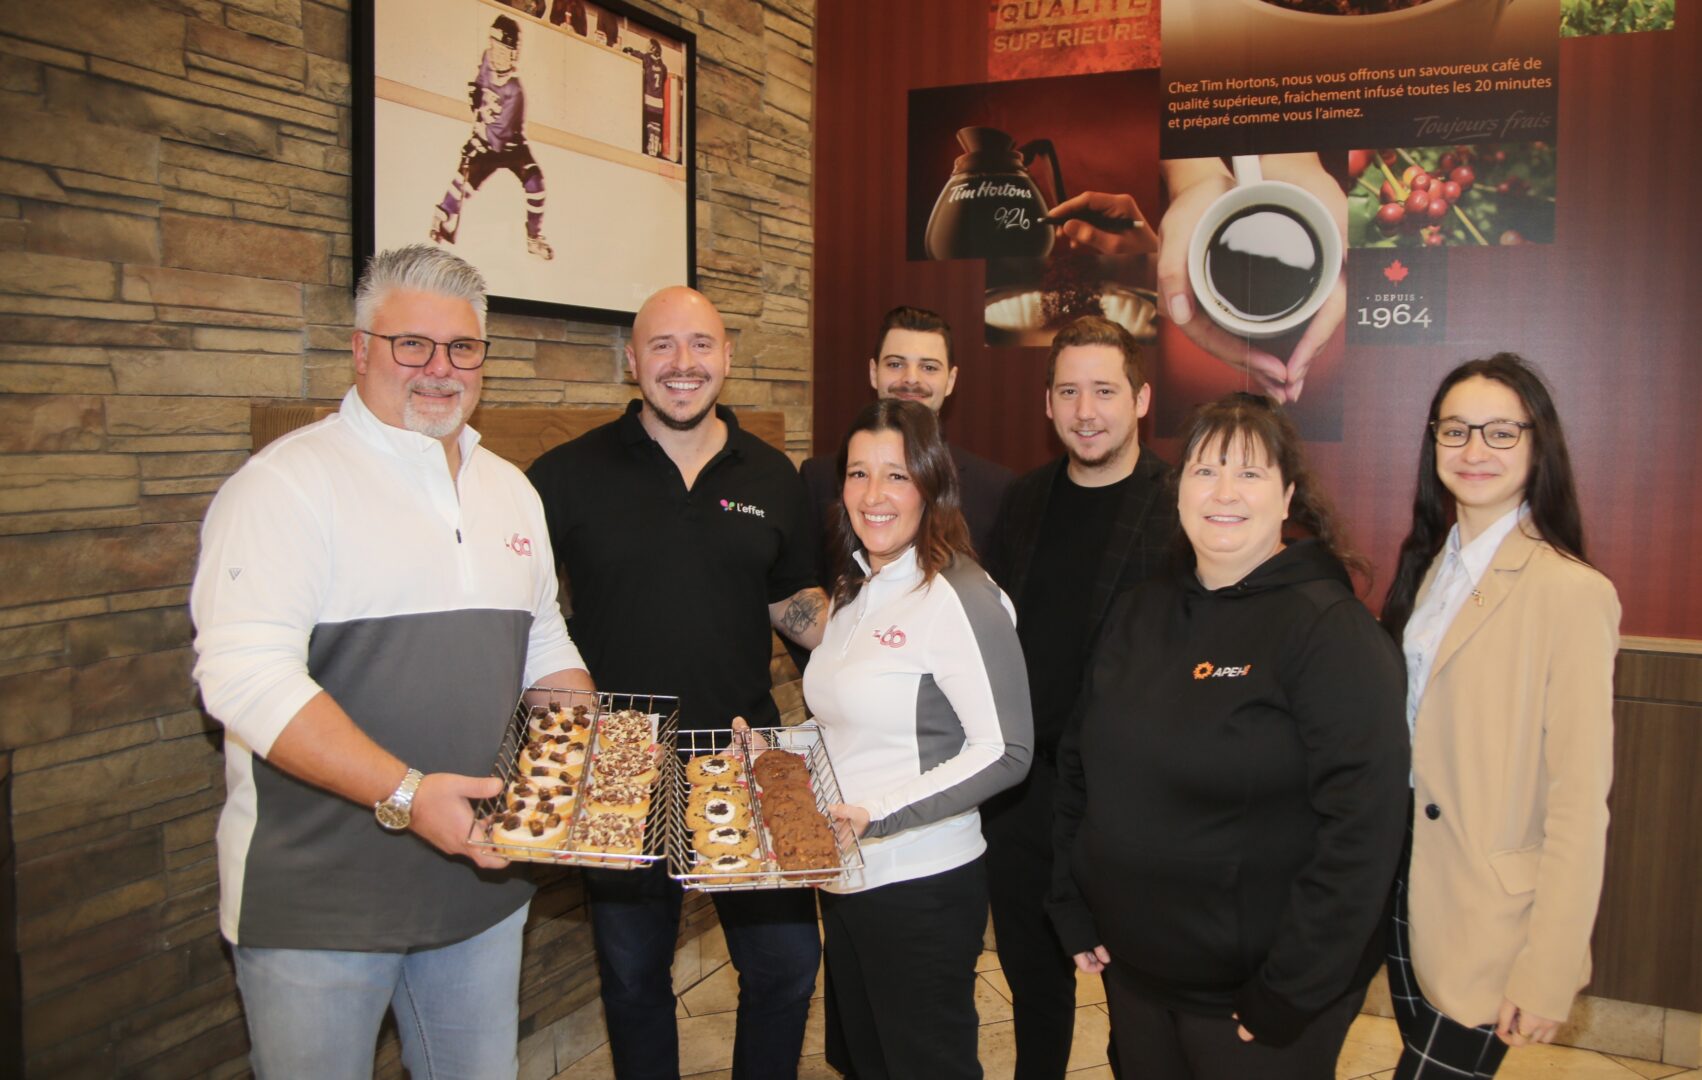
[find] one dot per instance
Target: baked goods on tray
(777, 768)
(724, 840)
(752, 815)
(708, 810)
(610, 833)
(713, 769)
(718, 813)
(530, 830)
(533, 812)
(581, 780)
(799, 832)
(628, 727)
(622, 770)
(554, 719)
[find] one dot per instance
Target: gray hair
(420, 268)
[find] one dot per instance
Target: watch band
(396, 812)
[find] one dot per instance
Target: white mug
(1275, 240)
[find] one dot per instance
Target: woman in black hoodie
(1232, 797)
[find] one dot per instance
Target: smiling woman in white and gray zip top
(921, 694)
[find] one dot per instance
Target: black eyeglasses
(1497, 434)
(415, 350)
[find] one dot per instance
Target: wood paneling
(1648, 940)
(519, 435)
(1666, 677)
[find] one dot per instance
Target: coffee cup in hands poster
(1317, 165)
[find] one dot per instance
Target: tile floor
(710, 995)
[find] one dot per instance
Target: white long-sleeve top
(921, 695)
(345, 558)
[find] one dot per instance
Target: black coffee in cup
(1264, 262)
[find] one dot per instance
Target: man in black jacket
(1070, 537)
(913, 361)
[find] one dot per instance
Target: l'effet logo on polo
(743, 508)
(520, 545)
(1206, 670)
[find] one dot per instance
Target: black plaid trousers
(1434, 1047)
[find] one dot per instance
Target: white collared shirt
(1455, 582)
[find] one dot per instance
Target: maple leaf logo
(1395, 272)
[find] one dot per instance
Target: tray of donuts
(749, 811)
(582, 780)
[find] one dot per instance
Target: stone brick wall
(175, 244)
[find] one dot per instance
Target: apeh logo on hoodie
(1205, 670)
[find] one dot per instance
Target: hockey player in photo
(498, 141)
(655, 89)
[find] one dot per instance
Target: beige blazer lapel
(1492, 588)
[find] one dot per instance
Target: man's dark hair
(1093, 330)
(920, 320)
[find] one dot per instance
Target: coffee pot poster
(1257, 188)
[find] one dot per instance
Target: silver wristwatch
(397, 811)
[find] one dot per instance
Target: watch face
(392, 817)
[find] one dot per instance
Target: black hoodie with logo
(1233, 794)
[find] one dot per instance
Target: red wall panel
(1610, 311)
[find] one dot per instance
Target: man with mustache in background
(913, 361)
(682, 539)
(1071, 536)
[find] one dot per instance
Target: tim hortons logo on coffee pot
(991, 207)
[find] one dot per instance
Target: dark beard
(1116, 453)
(668, 421)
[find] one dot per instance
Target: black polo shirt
(670, 588)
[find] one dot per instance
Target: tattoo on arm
(802, 613)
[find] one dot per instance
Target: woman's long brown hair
(942, 535)
(1549, 487)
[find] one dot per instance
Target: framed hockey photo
(547, 142)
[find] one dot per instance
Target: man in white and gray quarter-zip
(374, 592)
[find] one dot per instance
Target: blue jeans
(315, 1012)
(771, 939)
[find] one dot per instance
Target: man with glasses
(365, 621)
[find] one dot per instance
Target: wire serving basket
(765, 871)
(588, 720)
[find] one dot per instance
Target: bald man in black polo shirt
(682, 539)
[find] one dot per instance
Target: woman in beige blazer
(1510, 638)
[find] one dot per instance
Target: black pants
(900, 984)
(1018, 827)
(1155, 1042)
(1433, 1045)
(771, 940)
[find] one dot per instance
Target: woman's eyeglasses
(1497, 434)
